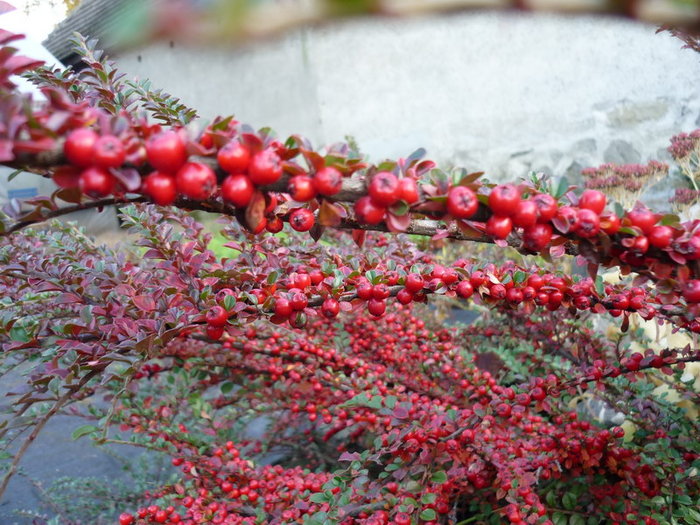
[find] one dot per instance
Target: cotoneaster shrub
(372, 411)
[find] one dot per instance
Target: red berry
(216, 316)
(79, 146)
(96, 182)
(538, 394)
(265, 167)
(640, 244)
(546, 207)
(582, 302)
(161, 516)
(525, 214)
(465, 289)
(301, 188)
(588, 223)
(238, 190)
(593, 200)
(504, 200)
(274, 225)
(301, 280)
(497, 291)
(160, 187)
(643, 219)
(376, 307)
(404, 296)
(514, 295)
(384, 189)
(126, 519)
(282, 307)
(299, 301)
(499, 227)
(234, 157)
(364, 290)
(660, 236)
(610, 223)
(461, 202)
(214, 332)
(196, 180)
(414, 282)
(367, 212)
(691, 291)
(537, 237)
(449, 276)
(166, 151)
(380, 291)
(402, 519)
(328, 181)
(408, 190)
(108, 152)
(567, 219)
(301, 219)
(477, 278)
(330, 308)
(619, 301)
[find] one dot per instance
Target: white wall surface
(502, 92)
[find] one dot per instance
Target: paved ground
(53, 456)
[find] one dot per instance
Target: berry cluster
(343, 394)
(312, 291)
(262, 177)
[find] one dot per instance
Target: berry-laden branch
(478, 436)
(267, 183)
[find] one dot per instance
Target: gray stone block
(630, 114)
(621, 152)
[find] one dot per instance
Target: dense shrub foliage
(298, 380)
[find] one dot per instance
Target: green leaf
(427, 498)
(229, 302)
(670, 220)
(13, 175)
(318, 497)
(226, 387)
(619, 210)
(439, 477)
(577, 519)
(599, 285)
(519, 277)
(390, 401)
(428, 515)
(358, 400)
(629, 231)
(559, 519)
(83, 431)
(569, 501)
(562, 187)
(683, 499)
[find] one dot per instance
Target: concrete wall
(501, 92)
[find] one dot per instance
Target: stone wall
(501, 92)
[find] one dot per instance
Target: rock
(621, 152)
(573, 172)
(630, 114)
(584, 146)
(663, 155)
(546, 170)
